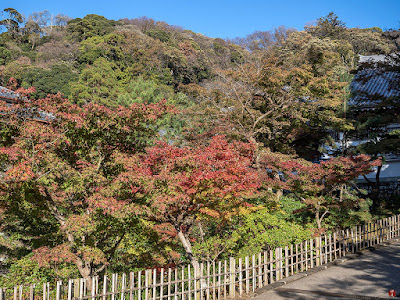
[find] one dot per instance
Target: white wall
(389, 170)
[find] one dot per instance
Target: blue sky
(226, 19)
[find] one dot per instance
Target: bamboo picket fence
(218, 279)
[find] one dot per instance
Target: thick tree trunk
(188, 249)
(193, 260)
(318, 220)
(86, 272)
(319, 217)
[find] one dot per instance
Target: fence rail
(215, 280)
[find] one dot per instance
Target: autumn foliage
(177, 185)
(321, 186)
(86, 175)
(61, 169)
(109, 172)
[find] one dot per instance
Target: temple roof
(376, 81)
(8, 95)
(372, 86)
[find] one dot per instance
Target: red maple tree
(60, 165)
(177, 185)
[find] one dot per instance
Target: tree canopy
(135, 143)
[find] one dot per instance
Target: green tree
(140, 91)
(5, 55)
(329, 26)
(57, 79)
(99, 83)
(251, 230)
(12, 20)
(172, 125)
(91, 25)
(369, 41)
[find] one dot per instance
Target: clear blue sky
(226, 19)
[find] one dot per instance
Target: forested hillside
(165, 146)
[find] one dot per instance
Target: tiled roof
(390, 59)
(11, 98)
(371, 58)
(8, 95)
(372, 86)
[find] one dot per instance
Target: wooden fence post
(208, 283)
(147, 274)
(105, 282)
(291, 259)
(189, 283)
(176, 283)
(260, 281)
(196, 282)
(265, 268)
(220, 277)
(182, 284)
(154, 283)
(297, 258)
(31, 292)
(131, 285)
(241, 276)
(202, 281)
(70, 283)
(76, 288)
(169, 284)
(58, 290)
(123, 286)
(81, 288)
(397, 225)
(161, 284)
(232, 275)
(271, 266)
(387, 227)
(286, 261)
(312, 253)
(318, 251)
(278, 264)
(253, 271)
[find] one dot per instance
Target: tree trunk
(86, 272)
(378, 187)
(318, 219)
(377, 178)
(193, 260)
(188, 249)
